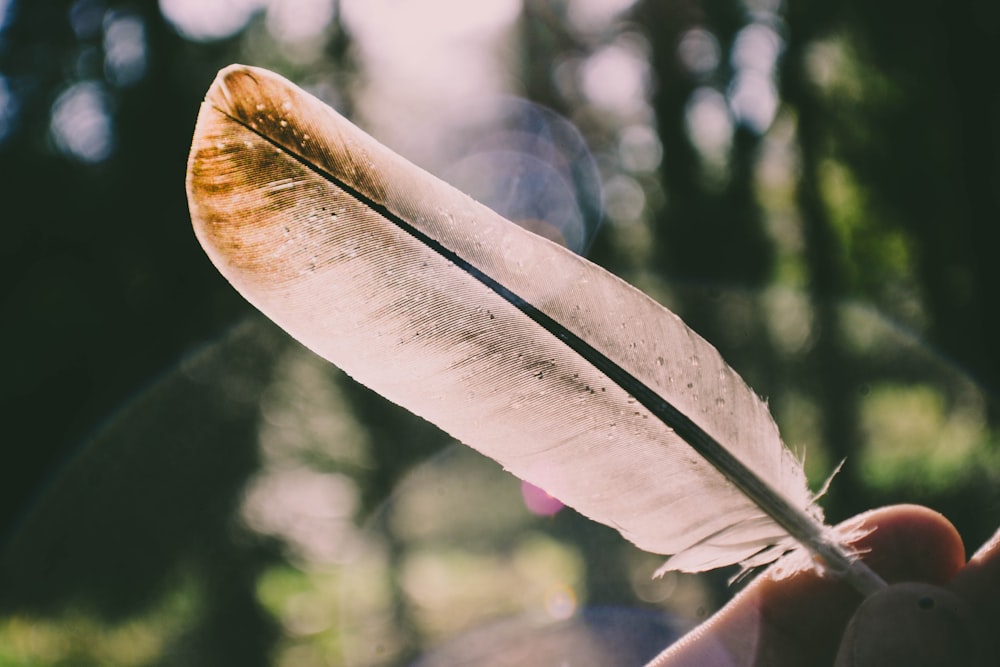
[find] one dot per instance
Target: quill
(567, 376)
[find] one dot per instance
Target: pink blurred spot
(538, 501)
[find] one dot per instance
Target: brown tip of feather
(264, 151)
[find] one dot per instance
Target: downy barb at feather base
(569, 377)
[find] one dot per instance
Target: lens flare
(538, 501)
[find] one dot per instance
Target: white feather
(569, 377)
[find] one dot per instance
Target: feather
(567, 376)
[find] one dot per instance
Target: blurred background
(814, 187)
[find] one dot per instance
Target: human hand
(801, 620)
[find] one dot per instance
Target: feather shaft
(567, 376)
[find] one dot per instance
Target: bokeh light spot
(5, 6)
(589, 16)
(709, 124)
(439, 18)
(439, 60)
(757, 47)
(763, 7)
(616, 79)
(754, 100)
(699, 51)
(81, 124)
(293, 21)
(560, 602)
(639, 149)
(312, 511)
(208, 20)
(85, 18)
(626, 199)
(8, 108)
(124, 48)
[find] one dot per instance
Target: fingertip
(908, 543)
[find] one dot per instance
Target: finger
(979, 585)
(799, 619)
(909, 543)
(912, 624)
